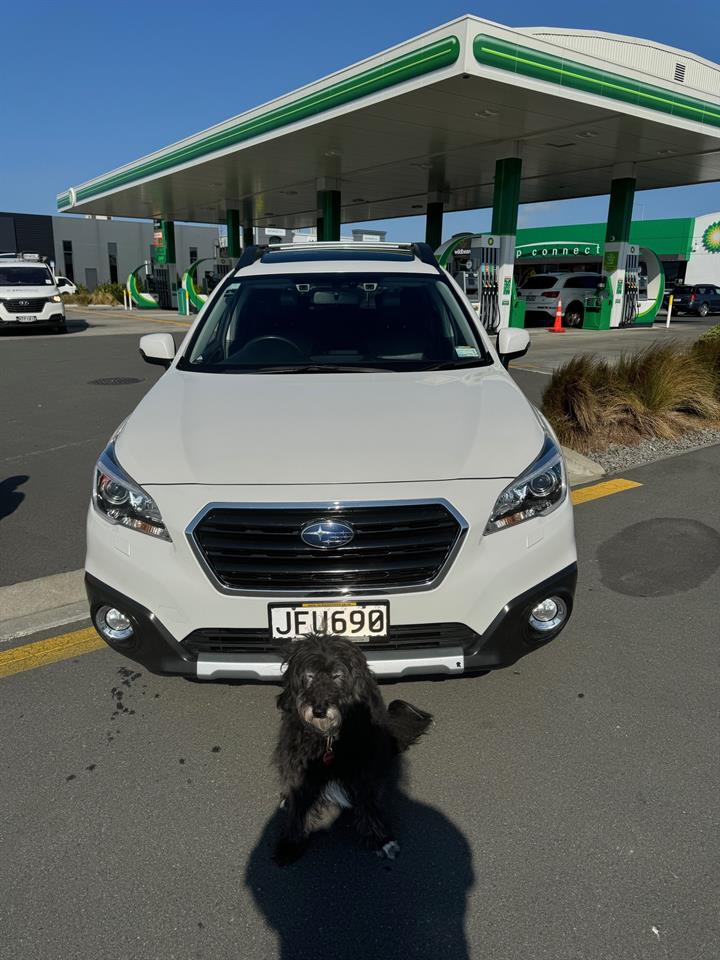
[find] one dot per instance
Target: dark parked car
(699, 298)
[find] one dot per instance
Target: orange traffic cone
(557, 327)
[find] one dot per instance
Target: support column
(617, 245)
(506, 197)
(329, 214)
(233, 233)
(248, 236)
(434, 223)
(168, 231)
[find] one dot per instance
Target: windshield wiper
(459, 364)
(311, 368)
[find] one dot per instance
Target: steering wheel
(271, 339)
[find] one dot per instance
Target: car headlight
(535, 493)
(56, 299)
(120, 500)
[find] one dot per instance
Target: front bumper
(49, 317)
(410, 650)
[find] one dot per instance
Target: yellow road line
(69, 645)
(42, 652)
(604, 489)
(174, 323)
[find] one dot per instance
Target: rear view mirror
(512, 342)
(158, 348)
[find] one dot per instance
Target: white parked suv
(30, 293)
(335, 447)
(542, 293)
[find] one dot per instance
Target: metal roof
(428, 119)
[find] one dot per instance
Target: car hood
(329, 428)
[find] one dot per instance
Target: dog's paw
(390, 850)
(288, 851)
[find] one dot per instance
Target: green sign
(159, 248)
(507, 282)
(559, 248)
(610, 261)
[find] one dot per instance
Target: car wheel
(703, 310)
(574, 315)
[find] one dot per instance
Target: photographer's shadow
(342, 902)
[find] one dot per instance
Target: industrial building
(90, 250)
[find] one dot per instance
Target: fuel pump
(632, 288)
(485, 252)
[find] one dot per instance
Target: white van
(30, 293)
(336, 447)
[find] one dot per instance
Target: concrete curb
(35, 605)
(581, 469)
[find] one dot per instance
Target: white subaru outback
(335, 447)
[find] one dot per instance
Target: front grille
(249, 641)
(25, 306)
(396, 546)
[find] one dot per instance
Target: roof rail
(28, 255)
(250, 255)
(346, 244)
(423, 251)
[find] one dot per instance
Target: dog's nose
(319, 711)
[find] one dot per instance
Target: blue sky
(88, 85)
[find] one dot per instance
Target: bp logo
(711, 238)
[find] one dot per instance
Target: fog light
(548, 614)
(113, 624)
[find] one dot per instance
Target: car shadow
(71, 326)
(10, 496)
(341, 901)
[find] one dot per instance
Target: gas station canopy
(426, 121)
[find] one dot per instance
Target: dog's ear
(286, 698)
(366, 688)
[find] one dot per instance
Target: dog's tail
(407, 723)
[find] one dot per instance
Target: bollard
(670, 303)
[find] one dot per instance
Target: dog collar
(329, 754)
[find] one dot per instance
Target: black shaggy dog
(338, 742)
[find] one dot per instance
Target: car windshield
(24, 276)
(334, 323)
(543, 282)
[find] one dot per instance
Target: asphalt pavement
(565, 808)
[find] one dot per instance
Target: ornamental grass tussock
(661, 392)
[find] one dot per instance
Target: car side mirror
(158, 348)
(512, 342)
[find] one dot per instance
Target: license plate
(25, 318)
(531, 299)
(361, 622)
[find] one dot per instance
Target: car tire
(703, 310)
(574, 315)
